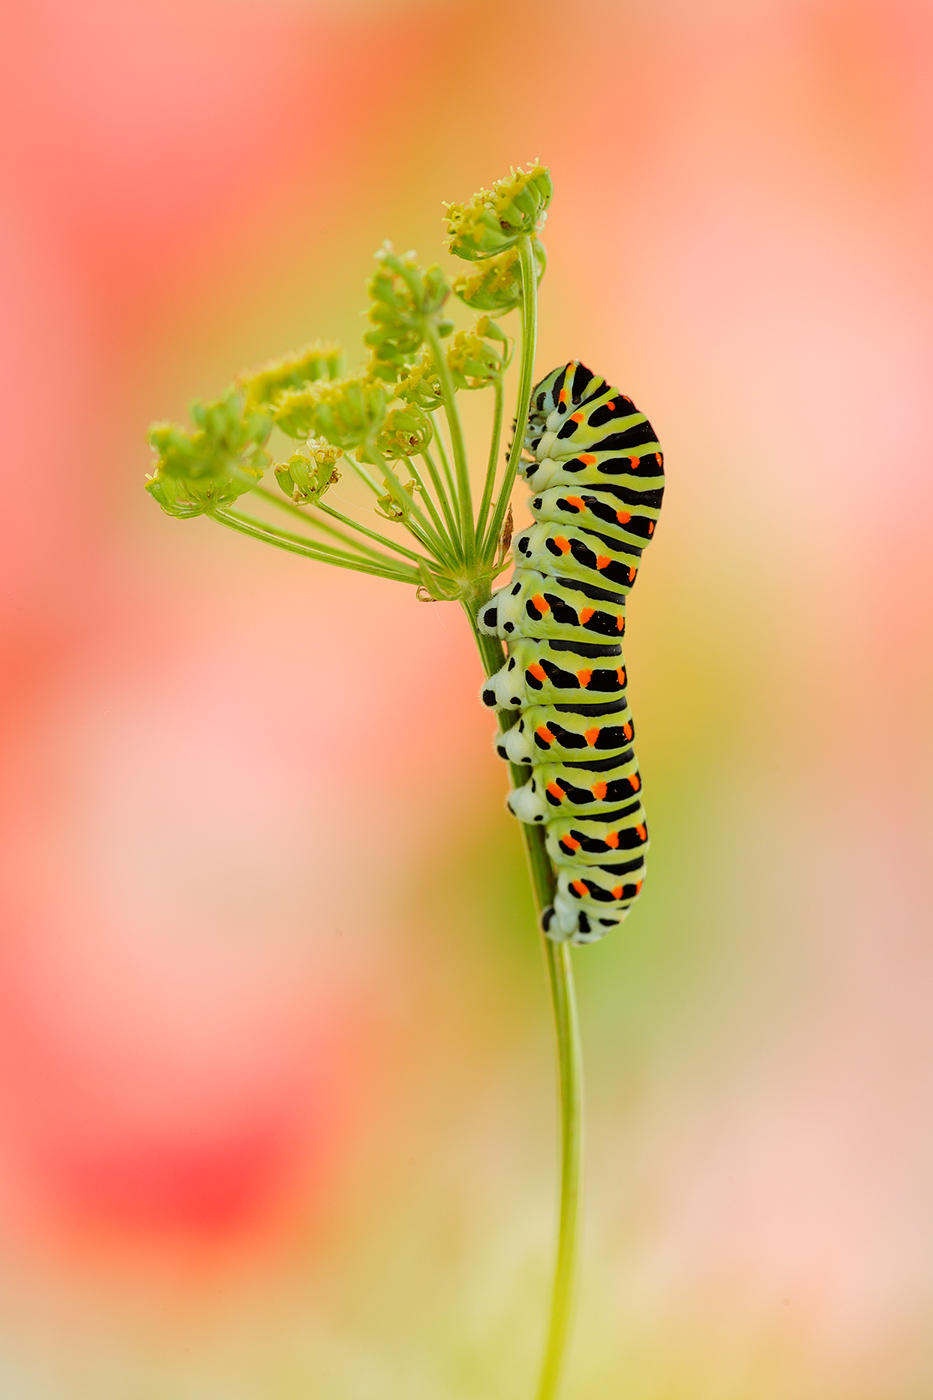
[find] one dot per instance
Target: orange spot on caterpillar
(576, 501)
(620, 622)
(620, 674)
(584, 677)
(570, 843)
(635, 782)
(627, 730)
(634, 463)
(538, 671)
(544, 733)
(659, 459)
(617, 891)
(541, 603)
(623, 517)
(587, 458)
(556, 792)
(563, 544)
(611, 404)
(576, 417)
(642, 833)
(603, 561)
(599, 791)
(638, 885)
(650, 527)
(562, 396)
(632, 571)
(612, 839)
(580, 888)
(592, 735)
(585, 615)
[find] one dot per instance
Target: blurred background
(276, 1074)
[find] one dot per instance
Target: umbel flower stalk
(394, 425)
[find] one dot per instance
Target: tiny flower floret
(405, 432)
(477, 357)
(306, 475)
(496, 219)
(421, 385)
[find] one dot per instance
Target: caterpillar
(597, 473)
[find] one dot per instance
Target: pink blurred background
(276, 1111)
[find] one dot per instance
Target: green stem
(458, 447)
(428, 501)
(439, 486)
(490, 482)
(448, 474)
(569, 1057)
(311, 521)
(260, 530)
(526, 379)
(424, 534)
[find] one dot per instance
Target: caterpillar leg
(563, 924)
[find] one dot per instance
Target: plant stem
(312, 521)
(464, 501)
(526, 378)
(261, 530)
(569, 1057)
(490, 482)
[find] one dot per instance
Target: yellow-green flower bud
(496, 219)
(479, 356)
(306, 476)
(221, 459)
(406, 431)
(392, 509)
(344, 411)
(405, 299)
(495, 284)
(305, 366)
(421, 385)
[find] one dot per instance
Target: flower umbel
(405, 300)
(262, 386)
(343, 411)
(495, 284)
(306, 475)
(496, 219)
(220, 460)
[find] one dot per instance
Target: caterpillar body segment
(596, 470)
(582, 554)
(539, 670)
(628, 516)
(548, 732)
(580, 789)
(534, 603)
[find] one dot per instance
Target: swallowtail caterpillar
(597, 473)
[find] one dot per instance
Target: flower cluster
(406, 300)
(393, 424)
(210, 467)
(495, 284)
(306, 475)
(496, 219)
(262, 386)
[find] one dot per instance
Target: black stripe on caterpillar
(597, 473)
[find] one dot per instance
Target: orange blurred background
(276, 1098)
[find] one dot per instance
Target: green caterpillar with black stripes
(597, 471)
